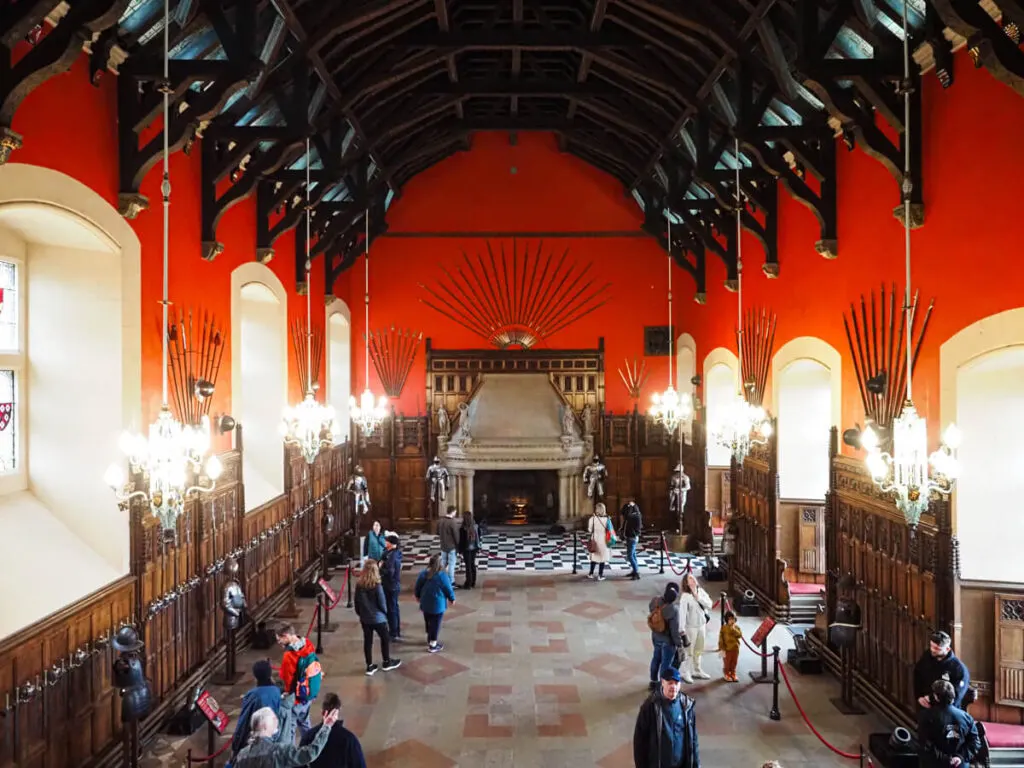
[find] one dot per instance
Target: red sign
(331, 594)
(6, 411)
(761, 633)
(208, 705)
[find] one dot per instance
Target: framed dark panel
(657, 340)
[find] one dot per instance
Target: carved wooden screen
(903, 582)
(756, 563)
(1009, 656)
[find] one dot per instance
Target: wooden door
(812, 540)
(1009, 682)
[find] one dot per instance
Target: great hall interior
(271, 272)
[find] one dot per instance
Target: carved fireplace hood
(514, 421)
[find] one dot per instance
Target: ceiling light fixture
(309, 425)
(369, 411)
(173, 454)
(671, 408)
(904, 473)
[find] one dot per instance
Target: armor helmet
(231, 567)
(358, 470)
(437, 460)
(126, 640)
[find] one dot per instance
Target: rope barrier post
(764, 658)
(319, 623)
(327, 626)
(188, 758)
(861, 750)
(575, 552)
(661, 554)
(775, 714)
(211, 739)
(723, 601)
(348, 580)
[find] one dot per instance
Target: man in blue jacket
(391, 580)
(666, 727)
(948, 736)
(939, 663)
(265, 694)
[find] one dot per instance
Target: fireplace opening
(516, 497)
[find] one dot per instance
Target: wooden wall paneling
(697, 517)
(1009, 650)
(811, 539)
(980, 645)
(757, 563)
(72, 715)
(410, 507)
(378, 476)
(903, 583)
(653, 497)
(617, 433)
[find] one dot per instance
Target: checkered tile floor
(533, 551)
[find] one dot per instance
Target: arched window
(719, 391)
(259, 375)
(70, 379)
(990, 412)
(804, 420)
(686, 368)
(339, 363)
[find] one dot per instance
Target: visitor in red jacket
(300, 672)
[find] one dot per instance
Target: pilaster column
(466, 500)
(564, 495)
(455, 493)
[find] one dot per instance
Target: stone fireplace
(517, 422)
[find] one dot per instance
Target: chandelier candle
(368, 412)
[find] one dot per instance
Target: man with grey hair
(269, 749)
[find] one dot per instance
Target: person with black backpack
(469, 545)
(632, 527)
(663, 621)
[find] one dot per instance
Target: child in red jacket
(300, 672)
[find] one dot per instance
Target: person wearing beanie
(265, 694)
(663, 620)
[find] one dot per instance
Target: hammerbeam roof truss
(654, 92)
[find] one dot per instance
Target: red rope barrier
(754, 650)
(671, 565)
(800, 709)
(313, 620)
(208, 758)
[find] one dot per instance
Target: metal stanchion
(575, 552)
(764, 677)
(349, 580)
(661, 554)
(723, 600)
(861, 750)
(319, 623)
(775, 714)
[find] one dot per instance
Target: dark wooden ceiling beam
(733, 48)
(994, 50)
(524, 39)
(312, 55)
(597, 17)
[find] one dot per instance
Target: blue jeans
(301, 712)
(664, 658)
(448, 560)
(394, 615)
(631, 554)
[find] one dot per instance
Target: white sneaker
(591, 576)
(600, 578)
(702, 675)
(687, 679)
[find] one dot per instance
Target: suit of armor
(233, 604)
(360, 491)
(130, 676)
(594, 476)
(679, 487)
(437, 476)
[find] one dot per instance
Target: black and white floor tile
(541, 551)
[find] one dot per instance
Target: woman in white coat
(598, 527)
(694, 609)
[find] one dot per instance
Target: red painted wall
(90, 156)
(964, 256)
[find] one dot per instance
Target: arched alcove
(70, 368)
(720, 377)
(339, 363)
(806, 387)
(982, 377)
(686, 369)
(259, 377)
(804, 412)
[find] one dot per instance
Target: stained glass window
(9, 307)
(8, 421)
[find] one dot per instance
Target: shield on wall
(6, 412)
